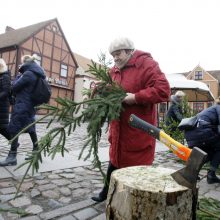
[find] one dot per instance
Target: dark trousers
(5, 133)
(110, 169)
(213, 151)
(33, 135)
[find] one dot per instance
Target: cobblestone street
(74, 142)
(65, 194)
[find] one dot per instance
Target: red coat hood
(137, 59)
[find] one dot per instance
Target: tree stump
(147, 193)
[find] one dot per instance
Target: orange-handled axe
(195, 158)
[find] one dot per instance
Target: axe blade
(188, 175)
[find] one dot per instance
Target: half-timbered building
(47, 40)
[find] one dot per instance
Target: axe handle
(179, 149)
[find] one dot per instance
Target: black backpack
(41, 92)
(11, 97)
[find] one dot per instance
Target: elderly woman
(175, 113)
(146, 85)
(23, 112)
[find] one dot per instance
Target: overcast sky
(179, 34)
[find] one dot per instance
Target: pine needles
(103, 106)
(209, 209)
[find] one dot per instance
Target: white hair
(28, 58)
(180, 93)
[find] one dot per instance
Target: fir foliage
(176, 133)
(103, 106)
(208, 209)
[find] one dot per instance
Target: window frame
(198, 106)
(209, 104)
(61, 70)
(198, 75)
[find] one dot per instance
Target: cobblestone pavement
(74, 141)
(65, 194)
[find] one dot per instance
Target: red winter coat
(143, 77)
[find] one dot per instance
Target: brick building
(210, 78)
(47, 40)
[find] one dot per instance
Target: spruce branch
(208, 208)
(104, 106)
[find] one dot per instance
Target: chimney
(8, 28)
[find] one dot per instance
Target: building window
(198, 106)
(163, 107)
(38, 59)
(198, 75)
(54, 28)
(92, 85)
(209, 104)
(63, 70)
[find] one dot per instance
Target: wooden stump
(147, 193)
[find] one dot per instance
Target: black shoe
(212, 178)
(101, 197)
(10, 160)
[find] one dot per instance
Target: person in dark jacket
(175, 112)
(206, 135)
(5, 87)
(23, 112)
(145, 85)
